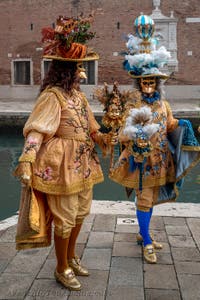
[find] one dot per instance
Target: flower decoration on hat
(142, 58)
(68, 40)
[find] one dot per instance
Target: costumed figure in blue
(158, 149)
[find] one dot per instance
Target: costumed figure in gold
(159, 150)
(113, 118)
(59, 165)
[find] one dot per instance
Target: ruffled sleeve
(41, 125)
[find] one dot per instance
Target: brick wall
(113, 20)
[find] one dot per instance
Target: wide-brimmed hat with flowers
(142, 58)
(67, 41)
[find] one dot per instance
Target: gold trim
(24, 246)
(192, 165)
(27, 157)
(64, 235)
(190, 148)
(131, 183)
(87, 58)
(56, 189)
(20, 238)
(162, 76)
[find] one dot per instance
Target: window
(22, 72)
(91, 71)
(90, 68)
(45, 64)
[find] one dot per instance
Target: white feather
(132, 126)
(158, 57)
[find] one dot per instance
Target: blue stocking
(144, 218)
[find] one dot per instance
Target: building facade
(21, 63)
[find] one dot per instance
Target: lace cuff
(31, 147)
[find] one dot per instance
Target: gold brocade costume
(59, 145)
(159, 166)
(58, 131)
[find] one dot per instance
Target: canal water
(11, 143)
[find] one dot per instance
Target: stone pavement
(118, 272)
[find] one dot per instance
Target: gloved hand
(24, 172)
(183, 122)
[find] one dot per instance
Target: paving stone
(86, 227)
(8, 235)
(36, 252)
(7, 250)
(104, 223)
(125, 237)
(93, 287)
(98, 259)
(47, 289)
(157, 223)
(126, 271)
(166, 248)
(90, 218)
(194, 225)
(159, 235)
(100, 239)
(126, 249)
(187, 267)
(23, 264)
(155, 294)
(164, 258)
(190, 287)
(80, 249)
(47, 270)
(174, 221)
(177, 230)
(127, 228)
(185, 254)
(160, 277)
(3, 264)
(52, 254)
(15, 286)
(125, 293)
(127, 216)
(2, 231)
(181, 241)
(83, 237)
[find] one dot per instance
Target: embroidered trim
(190, 148)
(56, 189)
(24, 246)
(148, 182)
(28, 157)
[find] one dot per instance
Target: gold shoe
(155, 244)
(149, 254)
(75, 264)
(68, 279)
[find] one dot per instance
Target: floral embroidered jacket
(159, 166)
(59, 144)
